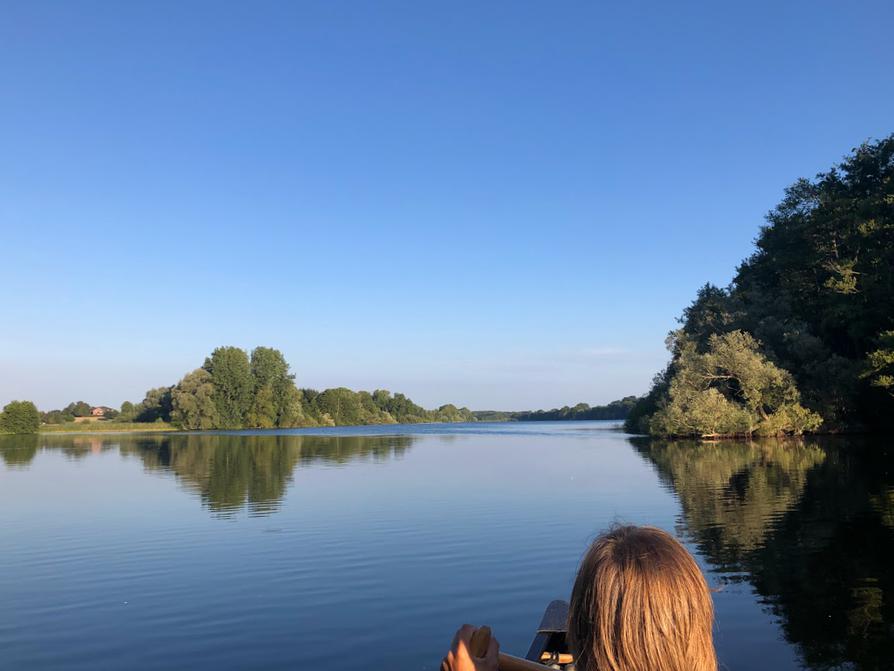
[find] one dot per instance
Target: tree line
(237, 390)
(803, 337)
(582, 411)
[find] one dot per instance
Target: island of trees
(803, 338)
(235, 389)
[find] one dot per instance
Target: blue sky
(501, 205)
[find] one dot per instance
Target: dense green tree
(711, 312)
(345, 407)
(731, 389)
(262, 413)
(275, 400)
(818, 294)
(291, 409)
(128, 412)
(78, 409)
(880, 363)
(450, 413)
(193, 403)
(234, 386)
(400, 408)
(156, 406)
(19, 417)
(371, 412)
(269, 366)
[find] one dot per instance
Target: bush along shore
(802, 340)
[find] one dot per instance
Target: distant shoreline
(107, 427)
(75, 428)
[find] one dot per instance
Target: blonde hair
(640, 603)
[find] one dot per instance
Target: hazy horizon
(499, 209)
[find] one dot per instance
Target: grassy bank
(103, 427)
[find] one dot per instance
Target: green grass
(102, 427)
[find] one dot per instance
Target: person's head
(640, 603)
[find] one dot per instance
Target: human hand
(461, 658)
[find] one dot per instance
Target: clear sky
(496, 204)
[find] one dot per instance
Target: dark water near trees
(347, 551)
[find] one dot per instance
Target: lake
(366, 547)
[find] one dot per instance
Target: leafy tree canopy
(231, 376)
(192, 401)
(19, 417)
(817, 296)
(880, 363)
(77, 409)
(156, 406)
(731, 389)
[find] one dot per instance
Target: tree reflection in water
(809, 524)
(230, 472)
(18, 451)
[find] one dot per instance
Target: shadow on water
(229, 472)
(810, 524)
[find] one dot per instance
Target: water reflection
(808, 524)
(732, 493)
(18, 451)
(229, 472)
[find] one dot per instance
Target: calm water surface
(365, 548)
